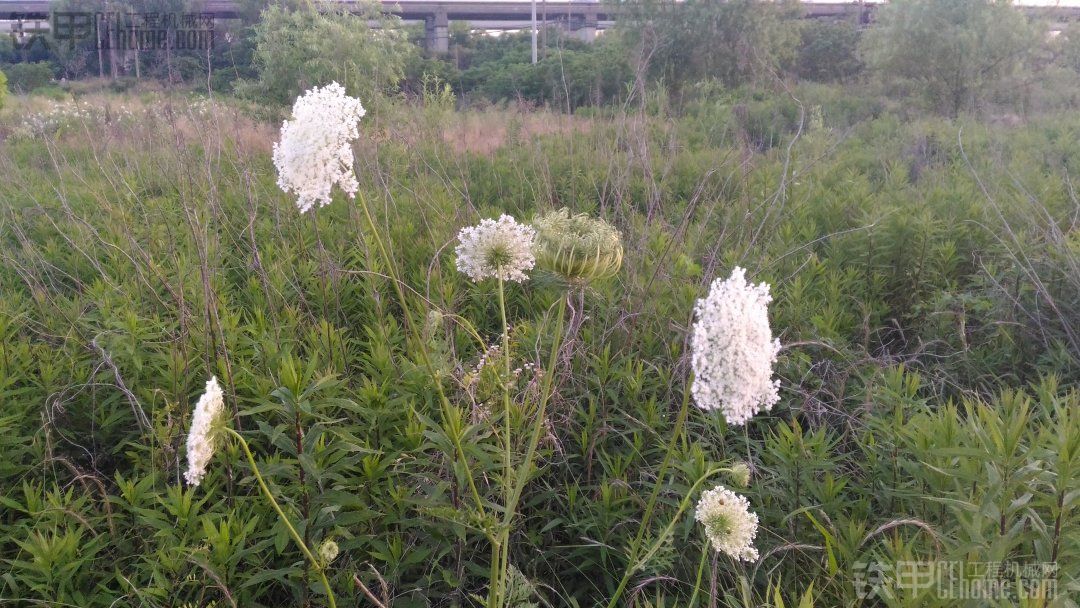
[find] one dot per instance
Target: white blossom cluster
(500, 248)
(733, 350)
(315, 151)
(201, 436)
(729, 524)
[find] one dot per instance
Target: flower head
(733, 350)
(496, 248)
(315, 151)
(740, 474)
(328, 552)
(202, 435)
(578, 248)
(729, 524)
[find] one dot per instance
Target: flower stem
(411, 326)
(500, 549)
(700, 574)
(522, 476)
(632, 563)
(288, 524)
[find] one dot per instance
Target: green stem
(411, 327)
(632, 563)
(522, 476)
(500, 550)
(700, 574)
(678, 514)
(288, 524)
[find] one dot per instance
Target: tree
(955, 52)
(829, 52)
(296, 49)
(734, 42)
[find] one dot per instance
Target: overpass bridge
(581, 17)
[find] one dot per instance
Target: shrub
(829, 52)
(301, 48)
(28, 77)
(953, 53)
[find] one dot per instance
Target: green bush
(28, 77)
(296, 49)
(829, 52)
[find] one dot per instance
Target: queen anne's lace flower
(201, 436)
(733, 350)
(729, 524)
(328, 552)
(496, 248)
(315, 151)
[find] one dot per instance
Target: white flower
(315, 151)
(729, 524)
(496, 248)
(201, 436)
(328, 551)
(733, 350)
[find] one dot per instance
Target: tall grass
(924, 280)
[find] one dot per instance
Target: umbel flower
(729, 524)
(733, 350)
(328, 551)
(577, 247)
(315, 151)
(496, 249)
(202, 435)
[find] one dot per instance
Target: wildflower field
(375, 357)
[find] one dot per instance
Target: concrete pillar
(437, 33)
(587, 31)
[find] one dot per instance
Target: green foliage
(570, 73)
(298, 48)
(3, 89)
(734, 42)
(925, 291)
(829, 51)
(28, 77)
(954, 53)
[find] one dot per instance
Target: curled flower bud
(578, 248)
(740, 474)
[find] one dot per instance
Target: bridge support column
(587, 31)
(437, 33)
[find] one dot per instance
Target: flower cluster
(328, 552)
(729, 524)
(578, 248)
(315, 151)
(58, 115)
(202, 435)
(496, 249)
(733, 350)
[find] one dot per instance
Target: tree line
(950, 57)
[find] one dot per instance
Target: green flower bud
(578, 248)
(740, 474)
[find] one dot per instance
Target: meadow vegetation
(921, 247)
